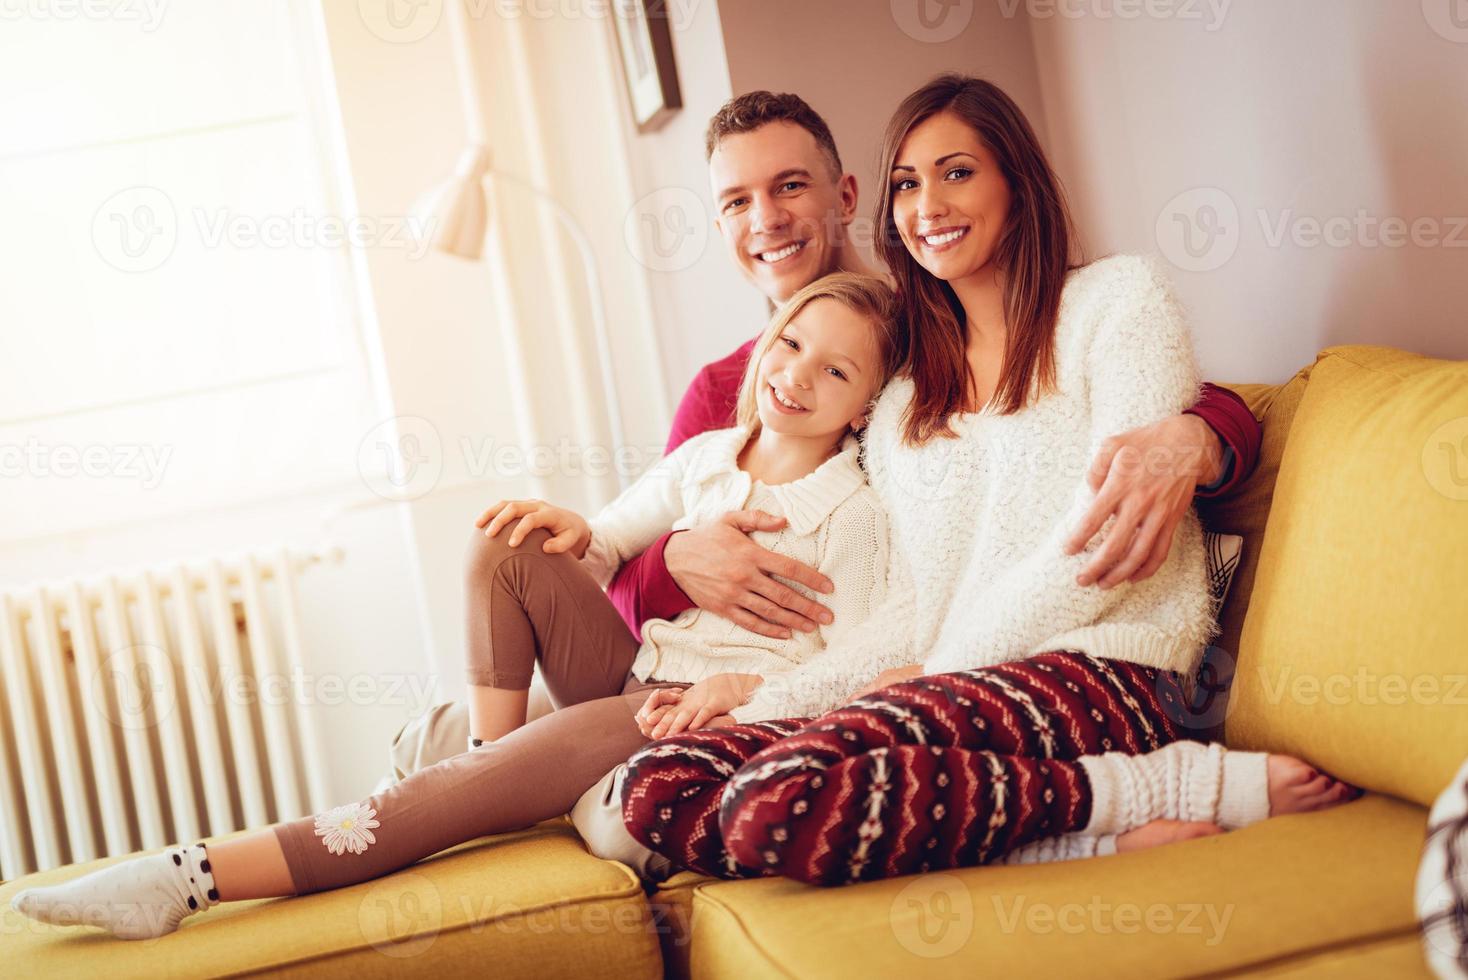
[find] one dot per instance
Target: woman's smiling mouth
(943, 238)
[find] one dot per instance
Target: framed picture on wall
(646, 46)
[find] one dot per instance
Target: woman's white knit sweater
(835, 524)
(981, 520)
(952, 556)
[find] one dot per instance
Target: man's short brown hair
(748, 112)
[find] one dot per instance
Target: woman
(1017, 365)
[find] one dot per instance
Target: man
(784, 205)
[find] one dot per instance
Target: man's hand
(887, 678)
(707, 704)
(1146, 478)
(721, 570)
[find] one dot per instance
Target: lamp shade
(453, 214)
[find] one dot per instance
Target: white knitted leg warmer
(1070, 847)
(1182, 781)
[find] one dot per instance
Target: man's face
(780, 209)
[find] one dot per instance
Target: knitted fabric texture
(981, 519)
(1184, 781)
(939, 772)
(835, 524)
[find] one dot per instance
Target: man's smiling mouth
(781, 254)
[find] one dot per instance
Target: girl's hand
(889, 677)
(703, 704)
(658, 704)
(569, 530)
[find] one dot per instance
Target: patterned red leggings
(946, 771)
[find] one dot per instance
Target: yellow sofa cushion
(529, 904)
(1399, 958)
(672, 905)
(1353, 650)
(1279, 889)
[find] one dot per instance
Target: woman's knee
(760, 806)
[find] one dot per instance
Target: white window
(178, 326)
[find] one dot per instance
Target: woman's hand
(887, 678)
(569, 530)
(704, 705)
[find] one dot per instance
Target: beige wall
(704, 307)
(1347, 113)
(1285, 112)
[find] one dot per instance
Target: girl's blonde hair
(865, 295)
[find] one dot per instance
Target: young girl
(828, 351)
(1045, 707)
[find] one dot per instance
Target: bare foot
(1160, 832)
(1295, 786)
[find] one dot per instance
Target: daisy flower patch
(347, 828)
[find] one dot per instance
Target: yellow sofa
(1349, 616)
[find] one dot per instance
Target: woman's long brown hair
(1032, 253)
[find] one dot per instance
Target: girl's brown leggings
(524, 606)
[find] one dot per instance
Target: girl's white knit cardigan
(835, 524)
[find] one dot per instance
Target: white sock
(1069, 847)
(1182, 781)
(143, 898)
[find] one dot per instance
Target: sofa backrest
(1246, 510)
(1350, 611)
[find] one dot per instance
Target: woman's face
(949, 200)
(818, 377)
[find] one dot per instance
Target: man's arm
(642, 589)
(1239, 436)
(725, 571)
(1148, 478)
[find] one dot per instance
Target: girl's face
(822, 370)
(949, 200)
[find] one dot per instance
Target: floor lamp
(454, 215)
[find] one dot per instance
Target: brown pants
(442, 731)
(524, 606)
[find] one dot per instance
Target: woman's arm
(1140, 368)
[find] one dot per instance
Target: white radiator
(151, 708)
